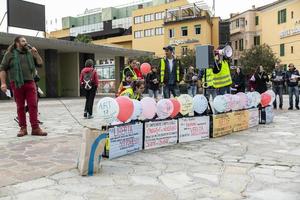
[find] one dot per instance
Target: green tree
(83, 38)
(256, 56)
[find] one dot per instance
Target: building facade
(276, 24)
(151, 26)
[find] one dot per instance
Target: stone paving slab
(261, 163)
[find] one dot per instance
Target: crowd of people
(21, 60)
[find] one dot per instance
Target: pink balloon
(229, 101)
(126, 108)
(148, 107)
(145, 68)
(243, 100)
(265, 99)
(176, 107)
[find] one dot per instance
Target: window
(159, 16)
(292, 49)
(159, 31)
(246, 22)
(184, 50)
(292, 15)
(171, 33)
(241, 44)
(184, 31)
(282, 50)
(198, 29)
(237, 23)
(138, 20)
(149, 18)
(138, 34)
(256, 20)
(256, 40)
(281, 16)
(149, 32)
(236, 45)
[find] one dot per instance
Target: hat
(170, 48)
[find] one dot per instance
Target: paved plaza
(261, 163)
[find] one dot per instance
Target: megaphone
(226, 51)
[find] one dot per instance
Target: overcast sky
(61, 8)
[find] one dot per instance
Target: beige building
(276, 24)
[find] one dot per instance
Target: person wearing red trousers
(19, 63)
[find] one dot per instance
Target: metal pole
(3, 18)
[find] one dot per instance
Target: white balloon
(236, 102)
(200, 103)
(250, 100)
(137, 109)
(148, 108)
(243, 100)
(108, 109)
(164, 108)
(273, 96)
(220, 103)
(186, 102)
(229, 101)
(256, 98)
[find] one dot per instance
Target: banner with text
(125, 139)
(222, 124)
(240, 120)
(253, 117)
(160, 133)
(193, 128)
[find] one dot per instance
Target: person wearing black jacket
(292, 78)
(277, 79)
(152, 81)
(239, 81)
(261, 79)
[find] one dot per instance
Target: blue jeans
(278, 90)
(168, 89)
(294, 91)
(192, 90)
(224, 90)
(153, 93)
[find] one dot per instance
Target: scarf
(18, 78)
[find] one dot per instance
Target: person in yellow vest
(208, 85)
(222, 75)
(171, 73)
(126, 71)
(135, 91)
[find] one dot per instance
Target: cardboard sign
(125, 139)
(253, 117)
(193, 128)
(160, 133)
(222, 124)
(240, 120)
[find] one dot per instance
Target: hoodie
(95, 78)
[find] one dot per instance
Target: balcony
(236, 30)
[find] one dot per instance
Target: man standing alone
(19, 62)
(170, 73)
(292, 77)
(278, 83)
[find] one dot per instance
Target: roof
(65, 46)
(270, 5)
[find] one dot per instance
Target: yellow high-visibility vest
(129, 92)
(209, 78)
(134, 78)
(163, 69)
(223, 78)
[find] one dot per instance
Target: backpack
(88, 80)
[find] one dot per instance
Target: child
(126, 83)
(153, 83)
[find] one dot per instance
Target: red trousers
(28, 93)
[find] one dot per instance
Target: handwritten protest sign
(125, 139)
(160, 133)
(253, 117)
(240, 120)
(193, 128)
(222, 124)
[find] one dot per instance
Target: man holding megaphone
(19, 63)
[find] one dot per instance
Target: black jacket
(278, 74)
(176, 64)
(261, 80)
(288, 77)
(149, 80)
(240, 81)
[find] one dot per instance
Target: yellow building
(157, 24)
(276, 24)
